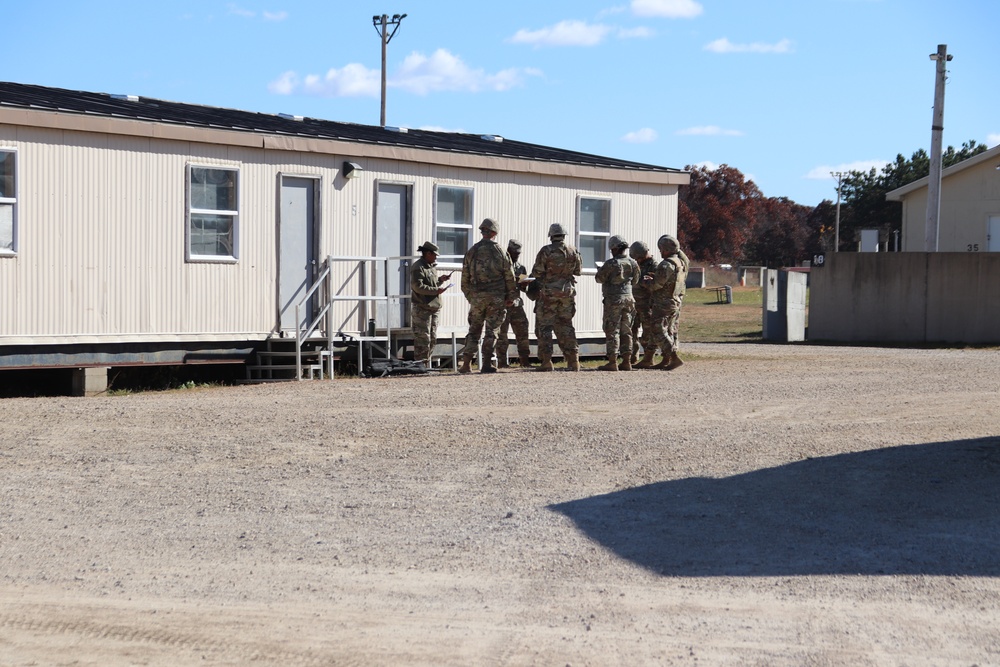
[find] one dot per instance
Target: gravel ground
(761, 505)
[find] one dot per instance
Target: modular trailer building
(141, 231)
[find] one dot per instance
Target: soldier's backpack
(380, 368)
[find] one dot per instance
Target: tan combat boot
(545, 362)
(625, 365)
(572, 361)
(466, 366)
(612, 365)
(664, 362)
(525, 360)
(647, 359)
(675, 362)
(634, 359)
(502, 361)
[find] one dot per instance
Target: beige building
(970, 207)
(135, 230)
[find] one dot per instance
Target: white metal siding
(102, 235)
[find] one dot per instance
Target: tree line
(724, 217)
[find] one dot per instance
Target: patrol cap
(616, 241)
(638, 250)
(513, 245)
(667, 242)
(555, 229)
(490, 225)
(427, 247)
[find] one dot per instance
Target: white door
(392, 239)
(296, 250)
(993, 234)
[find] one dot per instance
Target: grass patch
(704, 320)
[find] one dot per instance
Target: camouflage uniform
(515, 319)
(487, 282)
(425, 303)
(643, 309)
(666, 287)
(617, 277)
(686, 263)
(556, 266)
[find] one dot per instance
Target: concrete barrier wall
(906, 298)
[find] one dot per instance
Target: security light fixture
(351, 170)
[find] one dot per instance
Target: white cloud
(644, 136)
(240, 11)
(611, 10)
(723, 45)
(275, 16)
(419, 74)
(708, 131)
(824, 172)
(670, 9)
(442, 70)
(631, 33)
(564, 33)
(993, 139)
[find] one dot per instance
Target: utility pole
(937, 129)
(839, 175)
(382, 24)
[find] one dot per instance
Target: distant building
(970, 207)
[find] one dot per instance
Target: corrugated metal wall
(102, 235)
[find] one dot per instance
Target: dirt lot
(762, 505)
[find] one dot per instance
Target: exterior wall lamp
(351, 170)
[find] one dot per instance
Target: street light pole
(937, 129)
(839, 175)
(382, 24)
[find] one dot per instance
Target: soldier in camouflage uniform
(556, 267)
(686, 263)
(617, 276)
(516, 318)
(425, 302)
(666, 287)
(639, 251)
(488, 284)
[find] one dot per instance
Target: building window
(593, 224)
(452, 222)
(212, 213)
(8, 202)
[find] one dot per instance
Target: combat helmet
(638, 250)
(490, 225)
(513, 245)
(669, 243)
(555, 229)
(616, 242)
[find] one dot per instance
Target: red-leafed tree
(717, 213)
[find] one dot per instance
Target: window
(212, 213)
(452, 222)
(594, 224)
(8, 202)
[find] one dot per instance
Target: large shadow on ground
(920, 509)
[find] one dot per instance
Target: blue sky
(785, 91)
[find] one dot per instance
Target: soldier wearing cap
(639, 251)
(516, 318)
(666, 287)
(425, 301)
(617, 276)
(556, 267)
(488, 284)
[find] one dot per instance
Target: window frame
(233, 214)
(580, 233)
(14, 203)
(448, 261)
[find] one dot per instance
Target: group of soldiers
(639, 293)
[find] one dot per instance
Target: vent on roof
(492, 137)
(126, 98)
(401, 130)
(288, 116)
